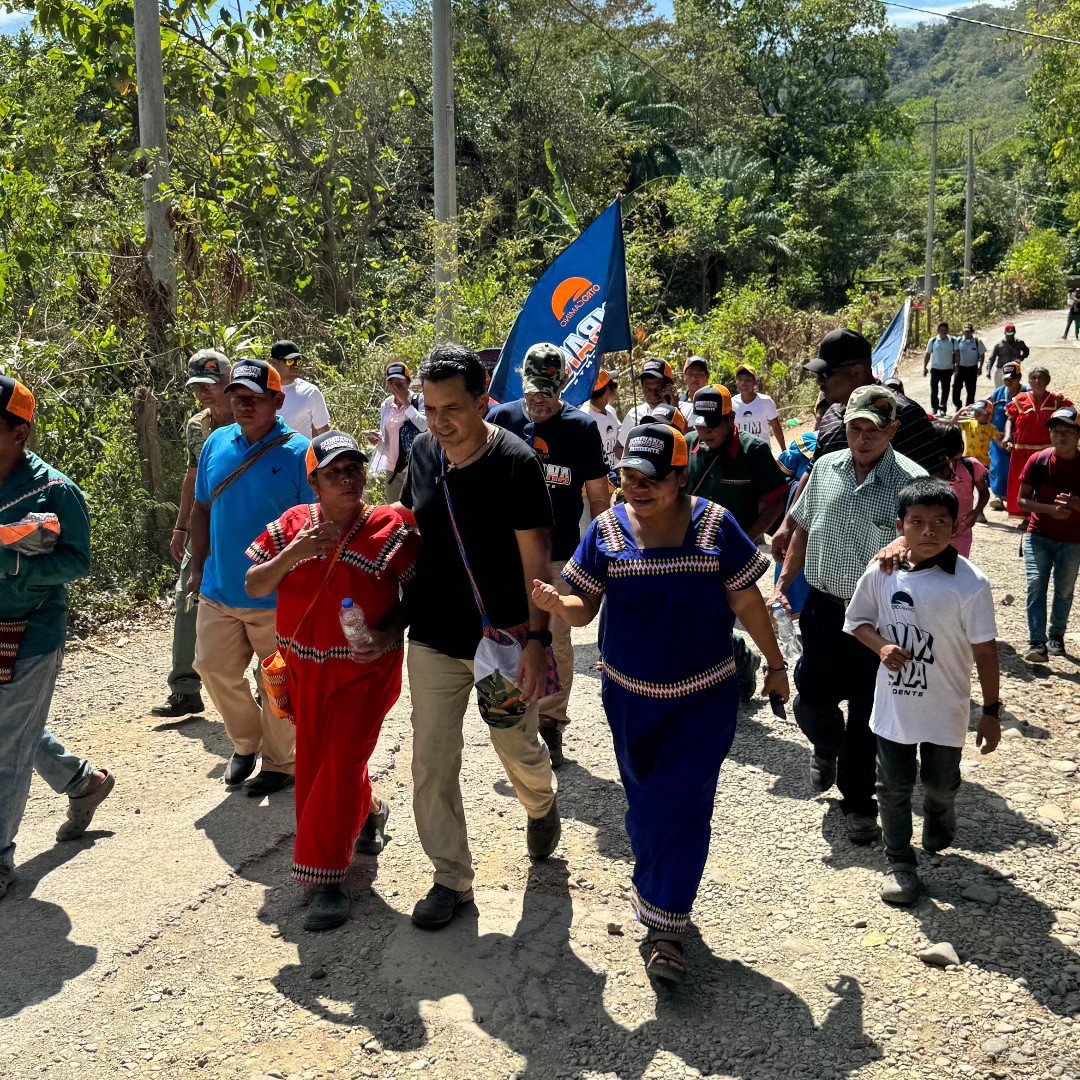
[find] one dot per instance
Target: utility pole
(151, 82)
(445, 142)
(969, 216)
(928, 280)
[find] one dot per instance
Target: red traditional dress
(1030, 435)
(339, 705)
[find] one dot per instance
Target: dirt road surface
(168, 943)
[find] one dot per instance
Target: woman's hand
(967, 521)
(778, 597)
(776, 682)
(545, 596)
(377, 644)
(314, 541)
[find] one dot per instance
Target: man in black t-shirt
(479, 498)
(569, 446)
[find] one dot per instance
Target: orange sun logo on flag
(569, 293)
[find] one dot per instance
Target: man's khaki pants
(226, 639)
(440, 687)
(553, 709)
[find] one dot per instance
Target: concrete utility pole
(151, 81)
(969, 215)
(928, 280)
(445, 144)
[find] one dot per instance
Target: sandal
(666, 960)
(81, 808)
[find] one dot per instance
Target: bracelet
(177, 529)
(776, 670)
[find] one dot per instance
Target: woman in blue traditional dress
(1000, 458)
(671, 697)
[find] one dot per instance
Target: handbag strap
(347, 538)
(461, 548)
(708, 469)
(239, 471)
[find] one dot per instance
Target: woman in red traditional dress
(1026, 432)
(315, 557)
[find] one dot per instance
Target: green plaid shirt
(849, 523)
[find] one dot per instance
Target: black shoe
(267, 782)
(240, 767)
(372, 838)
(542, 834)
(1055, 647)
(329, 907)
(439, 907)
(822, 772)
(179, 705)
(1037, 654)
(861, 828)
(550, 733)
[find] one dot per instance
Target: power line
(980, 22)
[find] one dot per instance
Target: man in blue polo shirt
(250, 473)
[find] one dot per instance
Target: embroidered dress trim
(11, 635)
(376, 566)
(611, 531)
(683, 688)
(652, 916)
(320, 656)
(709, 526)
(586, 583)
(310, 875)
(749, 573)
(686, 564)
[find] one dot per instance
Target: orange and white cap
(16, 402)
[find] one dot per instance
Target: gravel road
(168, 942)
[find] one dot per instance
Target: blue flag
(890, 348)
(581, 305)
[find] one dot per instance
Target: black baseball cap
(711, 405)
(666, 414)
(329, 445)
(1012, 370)
(840, 348)
(256, 375)
(698, 362)
(654, 450)
(657, 369)
(207, 368)
(1066, 416)
(398, 370)
(285, 350)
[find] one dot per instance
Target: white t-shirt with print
(632, 420)
(752, 417)
(305, 407)
(608, 423)
(936, 616)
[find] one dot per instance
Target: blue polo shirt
(275, 484)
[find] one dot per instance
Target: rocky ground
(169, 943)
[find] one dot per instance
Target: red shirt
(1049, 476)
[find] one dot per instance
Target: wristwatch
(543, 636)
(992, 710)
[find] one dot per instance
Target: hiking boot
(329, 907)
(81, 808)
(901, 885)
(1037, 654)
(240, 767)
(861, 828)
(267, 782)
(542, 834)
(550, 733)
(822, 772)
(439, 906)
(1055, 647)
(179, 705)
(372, 838)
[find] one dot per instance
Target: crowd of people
(504, 525)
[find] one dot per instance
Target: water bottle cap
(346, 604)
(776, 605)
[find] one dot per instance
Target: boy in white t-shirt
(925, 622)
(755, 414)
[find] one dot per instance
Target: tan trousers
(553, 709)
(440, 687)
(225, 640)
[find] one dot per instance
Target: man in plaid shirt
(845, 516)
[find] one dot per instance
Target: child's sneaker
(901, 885)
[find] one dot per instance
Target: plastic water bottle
(786, 634)
(354, 625)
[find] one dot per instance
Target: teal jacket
(34, 588)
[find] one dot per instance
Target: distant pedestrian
(304, 408)
(940, 362)
(925, 624)
(657, 380)
(845, 515)
(401, 419)
(316, 557)
(601, 411)
(1073, 319)
(695, 378)
(999, 456)
(970, 353)
(968, 478)
(1009, 350)
(250, 473)
(671, 705)
(38, 559)
(1050, 493)
(1027, 428)
(208, 375)
(756, 413)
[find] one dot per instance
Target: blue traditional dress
(671, 698)
(999, 458)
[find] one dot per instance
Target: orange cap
(16, 401)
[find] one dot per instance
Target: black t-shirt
(572, 453)
(500, 493)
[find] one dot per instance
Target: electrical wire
(980, 22)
